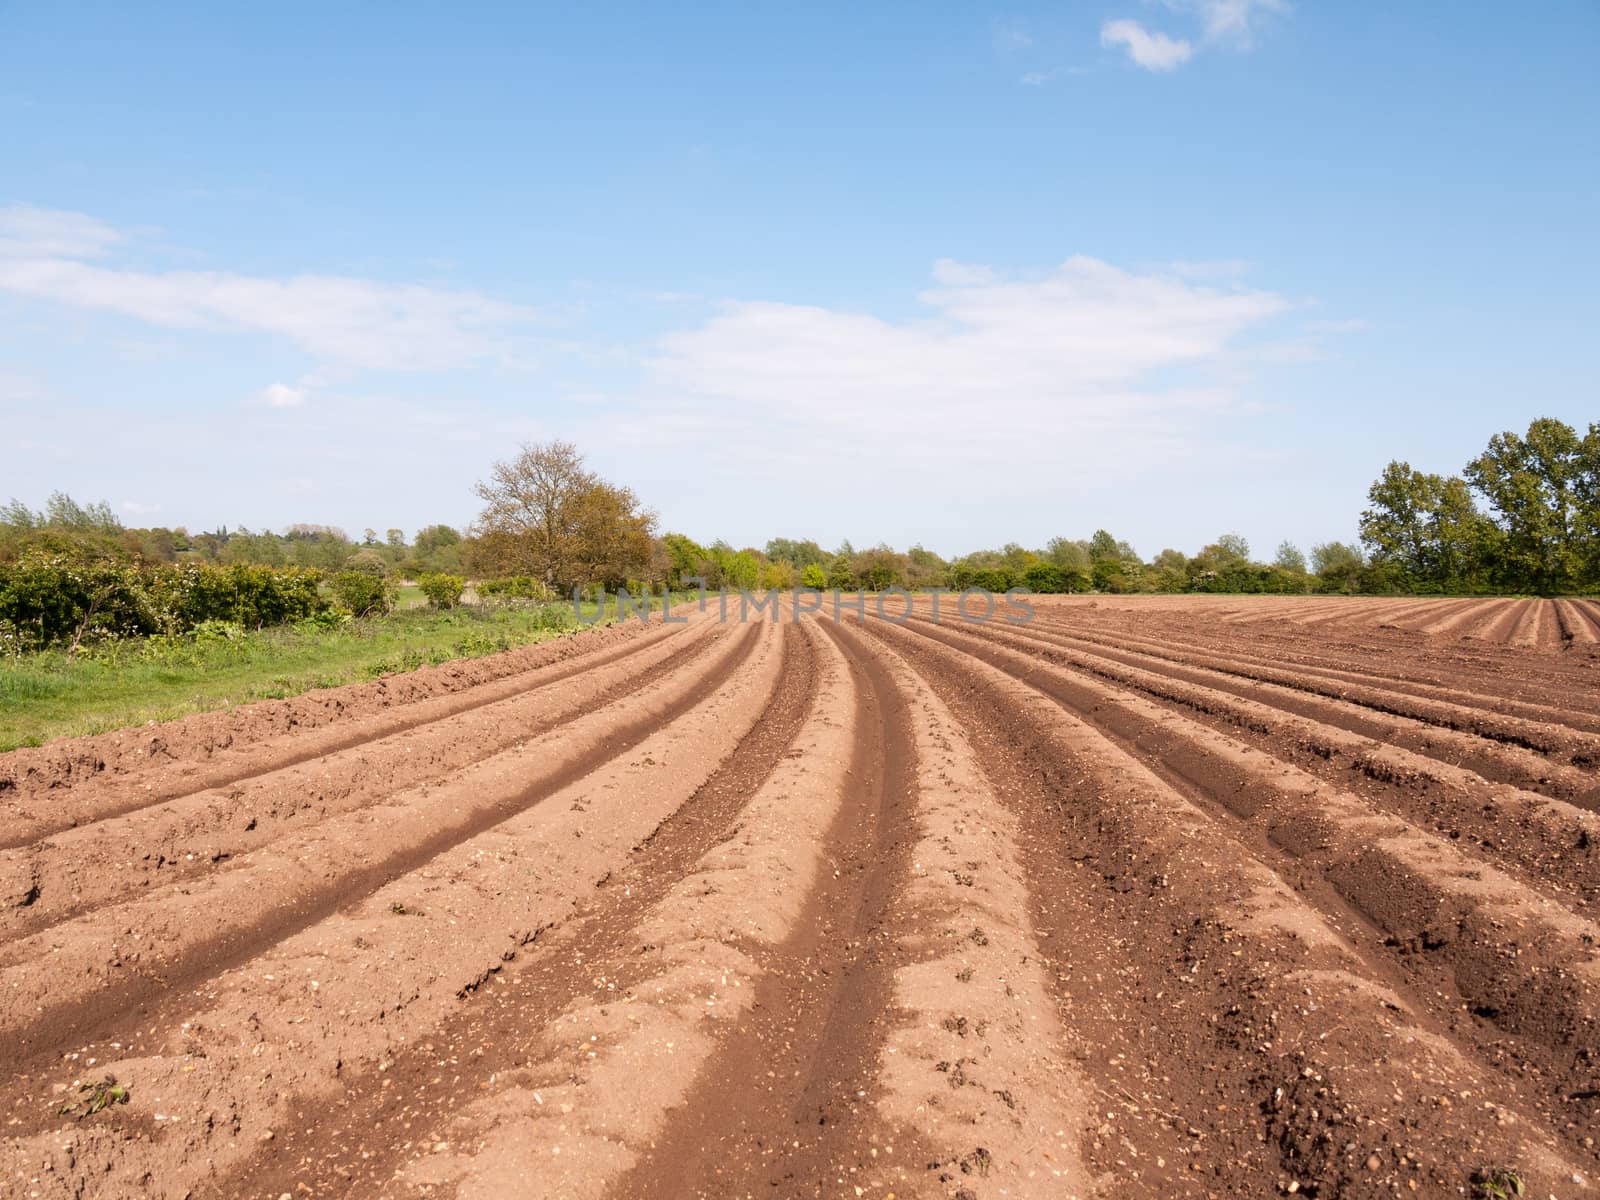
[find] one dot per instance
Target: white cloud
(1233, 20)
(1037, 78)
(1087, 363)
(351, 321)
(26, 231)
(1152, 51)
(138, 509)
(281, 395)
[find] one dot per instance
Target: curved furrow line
(803, 1126)
(1381, 653)
(40, 804)
(1494, 762)
(1534, 629)
(223, 1064)
(1550, 844)
(330, 1144)
(93, 865)
(1549, 742)
(974, 1064)
(1553, 725)
(614, 1074)
(1424, 615)
(1358, 614)
(1577, 627)
(1494, 668)
(1264, 1048)
(1507, 618)
(110, 960)
(1465, 931)
(1456, 622)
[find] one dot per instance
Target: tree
(1103, 546)
(545, 514)
(1337, 566)
(798, 554)
(1290, 558)
(1424, 530)
(1538, 486)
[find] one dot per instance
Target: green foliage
(1045, 578)
(798, 554)
(94, 1096)
(1542, 534)
(363, 594)
(814, 576)
(117, 683)
(515, 588)
(368, 562)
(51, 600)
(442, 591)
(1497, 1183)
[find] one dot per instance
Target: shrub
(515, 587)
(1044, 577)
(442, 591)
(368, 562)
(49, 599)
(245, 594)
(361, 593)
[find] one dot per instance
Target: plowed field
(1143, 898)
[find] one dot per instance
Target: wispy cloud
(1000, 370)
(281, 395)
(1037, 78)
(1152, 51)
(34, 232)
(352, 321)
(1232, 23)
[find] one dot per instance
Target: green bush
(362, 594)
(368, 562)
(515, 587)
(245, 594)
(1044, 578)
(442, 591)
(54, 599)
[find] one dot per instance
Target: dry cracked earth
(1143, 898)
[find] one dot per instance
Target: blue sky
(940, 273)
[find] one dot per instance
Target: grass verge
(53, 694)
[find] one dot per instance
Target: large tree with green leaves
(1542, 487)
(547, 515)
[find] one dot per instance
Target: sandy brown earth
(1146, 897)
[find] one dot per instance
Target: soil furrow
(214, 1072)
(1243, 1046)
(94, 865)
(335, 1147)
(1510, 975)
(1434, 706)
(74, 798)
(174, 757)
(104, 965)
(1550, 844)
(817, 1022)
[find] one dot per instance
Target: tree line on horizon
(1523, 517)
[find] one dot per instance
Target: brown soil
(1187, 896)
